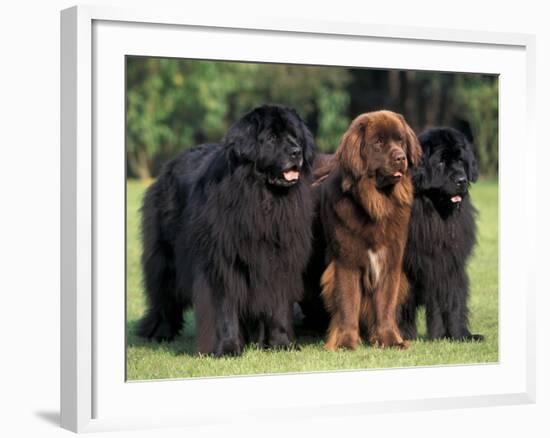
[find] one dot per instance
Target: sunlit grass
(147, 360)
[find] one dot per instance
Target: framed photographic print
(231, 235)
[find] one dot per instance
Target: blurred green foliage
(478, 98)
(173, 104)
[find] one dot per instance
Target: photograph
(288, 218)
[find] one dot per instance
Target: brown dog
(364, 209)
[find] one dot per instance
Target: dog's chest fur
(436, 235)
(366, 227)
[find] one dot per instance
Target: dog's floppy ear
(242, 137)
(421, 179)
(413, 149)
(464, 140)
(349, 153)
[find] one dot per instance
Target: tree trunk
(411, 97)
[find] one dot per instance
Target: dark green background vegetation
(173, 104)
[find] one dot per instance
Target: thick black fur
(225, 232)
(441, 237)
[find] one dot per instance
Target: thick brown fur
(364, 206)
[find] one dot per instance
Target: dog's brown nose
(399, 157)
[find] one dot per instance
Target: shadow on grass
(184, 343)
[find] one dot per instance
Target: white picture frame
(94, 394)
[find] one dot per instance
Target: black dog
(442, 233)
(227, 229)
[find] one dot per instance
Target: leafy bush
(173, 104)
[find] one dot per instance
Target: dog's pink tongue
(291, 175)
(456, 199)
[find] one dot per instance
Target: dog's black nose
(461, 181)
(295, 152)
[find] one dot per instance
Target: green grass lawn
(150, 360)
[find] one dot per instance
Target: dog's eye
(378, 143)
(441, 164)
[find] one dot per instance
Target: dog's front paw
(279, 341)
(388, 338)
(344, 339)
(228, 347)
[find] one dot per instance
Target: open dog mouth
(397, 174)
(292, 174)
(388, 177)
(456, 199)
(287, 177)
